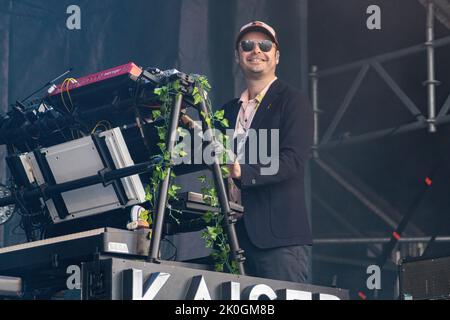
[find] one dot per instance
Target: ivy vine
(214, 234)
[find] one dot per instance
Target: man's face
(257, 64)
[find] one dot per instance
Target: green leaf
(214, 255)
(195, 91)
(225, 171)
(182, 132)
(148, 196)
(234, 267)
(225, 123)
(208, 200)
(213, 232)
(176, 85)
(197, 96)
(204, 82)
(162, 146)
(155, 178)
(144, 215)
(202, 179)
(161, 133)
(150, 219)
(148, 193)
(197, 99)
(208, 122)
(156, 114)
(223, 256)
(219, 114)
(208, 216)
(218, 267)
(166, 156)
(164, 174)
(183, 153)
(158, 91)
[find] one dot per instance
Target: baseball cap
(257, 26)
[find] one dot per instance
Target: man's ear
(236, 56)
(278, 57)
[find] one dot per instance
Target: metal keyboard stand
(188, 84)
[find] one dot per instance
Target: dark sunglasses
(249, 45)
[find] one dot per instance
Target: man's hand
(235, 170)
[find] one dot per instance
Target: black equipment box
(425, 279)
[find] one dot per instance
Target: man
(274, 231)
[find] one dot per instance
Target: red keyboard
(129, 70)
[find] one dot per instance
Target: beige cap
(257, 26)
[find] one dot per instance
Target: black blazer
(275, 211)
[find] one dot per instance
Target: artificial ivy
(214, 235)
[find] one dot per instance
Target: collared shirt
(248, 109)
(243, 123)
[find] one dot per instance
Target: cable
(62, 95)
(174, 256)
(103, 123)
(14, 230)
(67, 83)
(70, 80)
(108, 123)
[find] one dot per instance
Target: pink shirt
(248, 109)
(243, 123)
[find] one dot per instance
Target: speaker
(425, 279)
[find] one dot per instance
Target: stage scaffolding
(394, 220)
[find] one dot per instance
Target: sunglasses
(249, 45)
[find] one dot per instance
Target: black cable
(174, 256)
(14, 230)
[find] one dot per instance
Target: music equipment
(79, 105)
(192, 202)
(193, 207)
(73, 248)
(79, 159)
(106, 78)
(10, 287)
(96, 89)
(425, 279)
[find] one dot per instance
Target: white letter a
(374, 21)
(74, 20)
(374, 280)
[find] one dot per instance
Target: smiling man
(274, 230)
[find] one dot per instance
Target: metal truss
(393, 219)
(369, 241)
